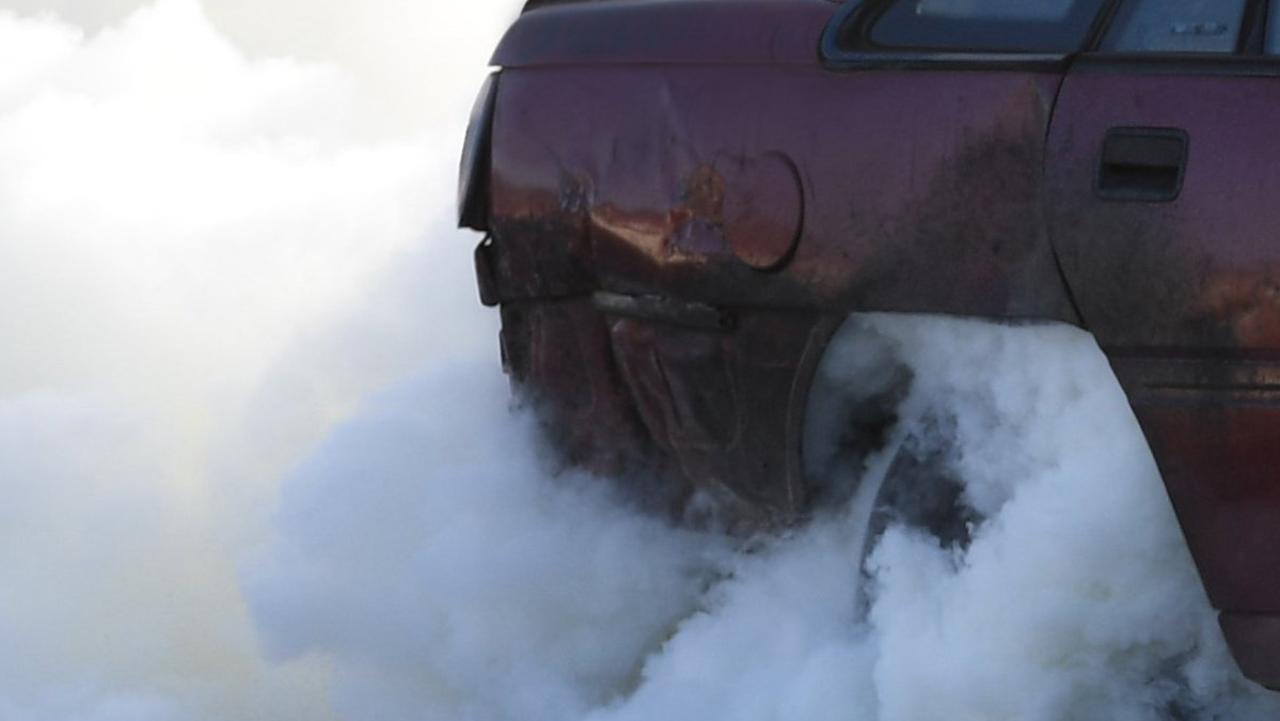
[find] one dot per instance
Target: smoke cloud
(208, 256)
(428, 538)
(258, 459)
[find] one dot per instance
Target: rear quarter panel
(919, 191)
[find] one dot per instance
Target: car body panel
(1183, 296)
(686, 197)
(1195, 274)
(792, 210)
(942, 212)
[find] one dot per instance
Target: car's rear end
(683, 199)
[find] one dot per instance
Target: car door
(1163, 169)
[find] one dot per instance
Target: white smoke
(207, 257)
(257, 460)
(426, 548)
(422, 550)
(1077, 597)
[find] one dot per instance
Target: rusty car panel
(685, 198)
(785, 223)
(944, 213)
(1200, 272)
(1182, 295)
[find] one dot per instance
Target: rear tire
(876, 455)
(916, 489)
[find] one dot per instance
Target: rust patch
(972, 241)
(1250, 302)
(748, 208)
(704, 195)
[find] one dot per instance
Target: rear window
(1052, 26)
(1191, 26)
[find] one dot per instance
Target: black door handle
(1142, 164)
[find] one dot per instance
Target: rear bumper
(1255, 643)
(700, 409)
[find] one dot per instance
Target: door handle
(1142, 164)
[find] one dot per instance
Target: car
(682, 200)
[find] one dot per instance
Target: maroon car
(684, 198)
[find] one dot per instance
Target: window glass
(996, 25)
(1190, 26)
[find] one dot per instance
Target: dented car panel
(786, 224)
(684, 412)
(795, 208)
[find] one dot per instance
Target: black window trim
(1253, 31)
(1102, 24)
(855, 17)
(1251, 66)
